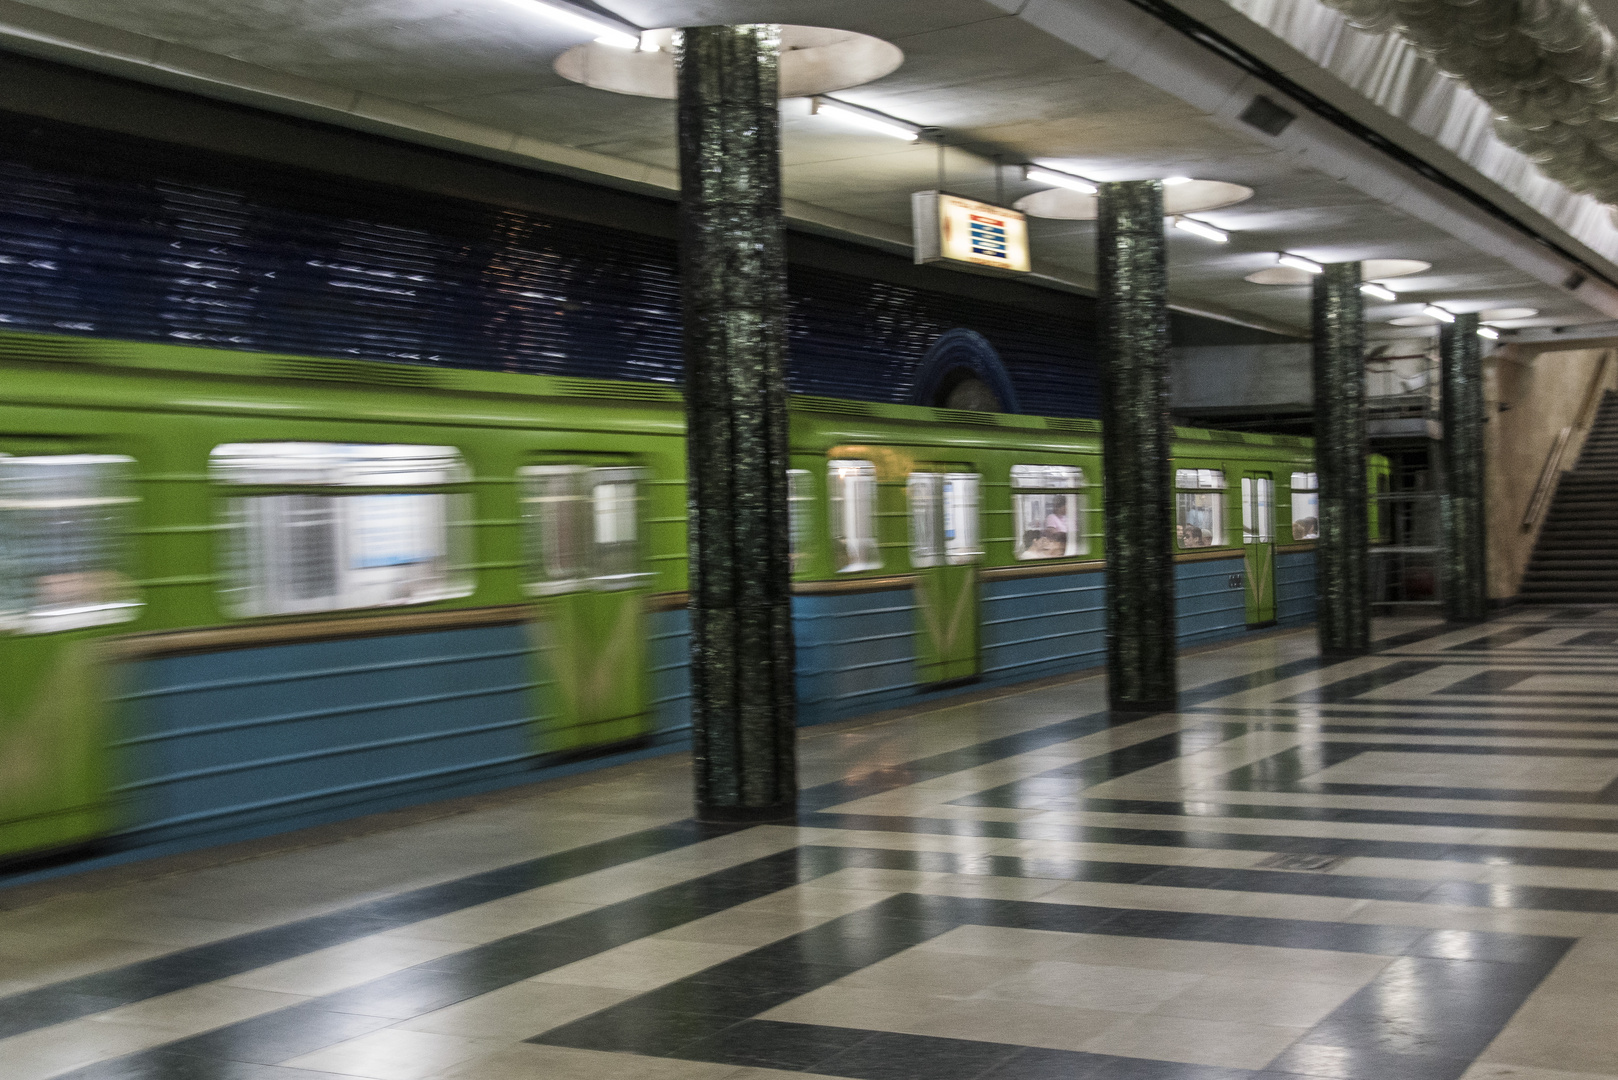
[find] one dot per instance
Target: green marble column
(1342, 576)
(733, 295)
(1132, 301)
(1465, 585)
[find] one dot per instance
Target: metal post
(1133, 299)
(733, 292)
(1342, 555)
(1465, 586)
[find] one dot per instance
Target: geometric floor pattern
(1402, 866)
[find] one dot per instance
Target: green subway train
(243, 593)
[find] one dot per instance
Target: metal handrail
(1547, 479)
(1585, 418)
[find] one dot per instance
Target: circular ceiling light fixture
(1507, 314)
(814, 60)
(1370, 270)
(1184, 196)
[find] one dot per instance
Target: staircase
(1576, 557)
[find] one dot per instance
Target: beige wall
(1544, 392)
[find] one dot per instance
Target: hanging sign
(949, 228)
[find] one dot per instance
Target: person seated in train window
(1307, 528)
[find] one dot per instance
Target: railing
(1547, 480)
(1584, 419)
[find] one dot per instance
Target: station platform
(1398, 867)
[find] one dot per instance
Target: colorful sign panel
(949, 228)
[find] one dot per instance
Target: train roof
(205, 361)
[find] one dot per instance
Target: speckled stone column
(1132, 299)
(733, 292)
(1342, 574)
(1465, 586)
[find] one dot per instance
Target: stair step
(1575, 558)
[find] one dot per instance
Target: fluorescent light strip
(1041, 175)
(869, 118)
(1202, 229)
(1298, 262)
(1381, 292)
(1489, 332)
(1433, 311)
(1175, 181)
(606, 33)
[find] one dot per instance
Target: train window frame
(851, 519)
(601, 535)
(378, 525)
(88, 584)
(1200, 492)
(1032, 488)
(1304, 495)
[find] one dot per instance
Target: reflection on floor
(1399, 867)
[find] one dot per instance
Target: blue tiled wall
(1295, 587)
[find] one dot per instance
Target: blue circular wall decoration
(962, 363)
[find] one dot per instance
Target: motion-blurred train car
(242, 593)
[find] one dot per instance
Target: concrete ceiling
(990, 74)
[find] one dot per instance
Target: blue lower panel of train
(1210, 599)
(230, 744)
(1295, 587)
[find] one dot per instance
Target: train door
(582, 533)
(1258, 543)
(945, 550)
(64, 517)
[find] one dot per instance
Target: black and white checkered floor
(1399, 867)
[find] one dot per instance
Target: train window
(615, 503)
(1199, 507)
(554, 518)
(943, 518)
(800, 495)
(581, 527)
(1305, 506)
(1258, 509)
(960, 505)
(852, 500)
(923, 492)
(1050, 511)
(301, 539)
(62, 526)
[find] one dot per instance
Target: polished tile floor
(1398, 867)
